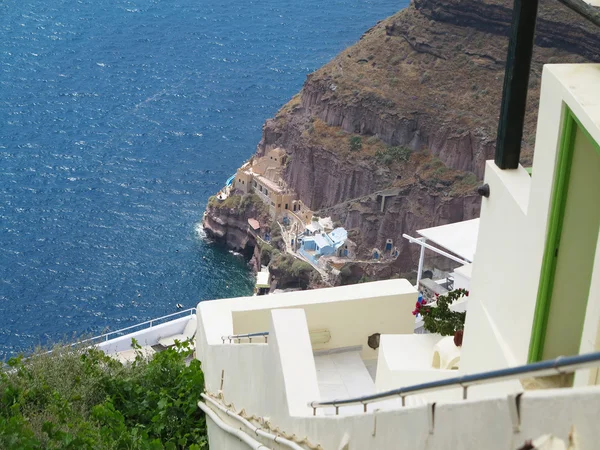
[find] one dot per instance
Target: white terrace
(529, 302)
(323, 333)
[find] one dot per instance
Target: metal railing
(586, 10)
(560, 365)
(249, 336)
(143, 325)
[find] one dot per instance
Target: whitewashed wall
(350, 313)
(513, 229)
(275, 380)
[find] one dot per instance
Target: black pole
(516, 80)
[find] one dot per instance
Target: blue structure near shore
(325, 244)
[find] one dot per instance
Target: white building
(535, 295)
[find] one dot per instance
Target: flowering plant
(440, 318)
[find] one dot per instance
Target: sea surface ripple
(118, 119)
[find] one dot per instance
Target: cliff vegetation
(79, 398)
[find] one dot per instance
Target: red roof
(254, 224)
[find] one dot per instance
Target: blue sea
(118, 119)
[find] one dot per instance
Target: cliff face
(557, 26)
(413, 107)
(227, 222)
(458, 148)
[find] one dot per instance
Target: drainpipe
(250, 426)
(252, 443)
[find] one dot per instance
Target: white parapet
(350, 313)
(272, 384)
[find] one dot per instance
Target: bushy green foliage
(253, 202)
(355, 143)
(440, 318)
(79, 398)
(281, 261)
(233, 202)
(266, 252)
(392, 154)
(470, 179)
(300, 269)
(275, 229)
(288, 267)
(249, 200)
(440, 171)
(277, 242)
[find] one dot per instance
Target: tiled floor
(341, 376)
(345, 375)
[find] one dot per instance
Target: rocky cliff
(413, 107)
(227, 221)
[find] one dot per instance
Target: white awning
(459, 238)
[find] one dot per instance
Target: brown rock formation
(428, 79)
(227, 221)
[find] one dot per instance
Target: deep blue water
(118, 119)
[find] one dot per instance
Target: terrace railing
(139, 326)
(560, 365)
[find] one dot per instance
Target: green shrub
(393, 154)
(440, 171)
(435, 162)
(254, 201)
(79, 398)
(277, 242)
(440, 318)
(355, 143)
(266, 252)
(470, 179)
(275, 229)
(300, 269)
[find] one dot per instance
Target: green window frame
(555, 224)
